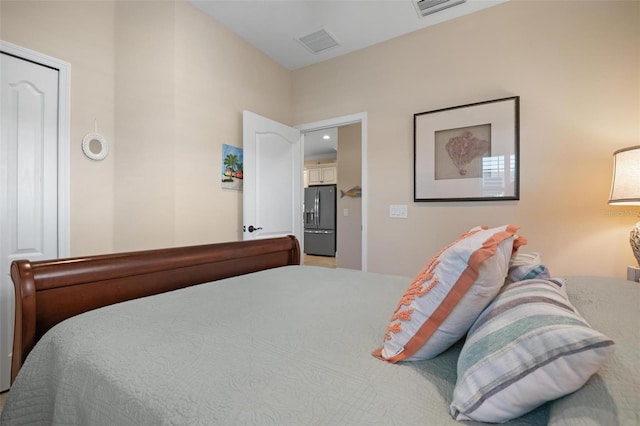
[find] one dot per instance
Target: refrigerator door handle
(317, 209)
(317, 231)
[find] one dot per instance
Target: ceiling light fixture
(326, 137)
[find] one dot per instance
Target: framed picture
(232, 167)
(468, 153)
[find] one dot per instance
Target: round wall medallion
(95, 146)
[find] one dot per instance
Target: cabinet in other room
(322, 174)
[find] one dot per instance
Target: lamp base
(634, 239)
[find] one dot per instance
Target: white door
(272, 181)
(28, 179)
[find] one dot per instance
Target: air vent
(318, 41)
(427, 7)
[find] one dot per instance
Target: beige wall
(146, 127)
(218, 75)
(349, 235)
(81, 33)
(576, 67)
(167, 109)
(167, 86)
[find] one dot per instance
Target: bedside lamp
(625, 187)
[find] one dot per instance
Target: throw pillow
(526, 266)
(449, 293)
(529, 346)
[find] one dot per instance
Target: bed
(240, 333)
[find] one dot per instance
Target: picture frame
(468, 152)
(232, 168)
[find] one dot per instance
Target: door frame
(345, 120)
(64, 114)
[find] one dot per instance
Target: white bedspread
(287, 346)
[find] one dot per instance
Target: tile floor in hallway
(325, 261)
(3, 398)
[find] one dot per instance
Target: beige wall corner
(167, 85)
(576, 68)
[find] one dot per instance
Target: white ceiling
(273, 26)
(316, 147)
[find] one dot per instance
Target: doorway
(34, 185)
(352, 190)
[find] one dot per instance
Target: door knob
(252, 228)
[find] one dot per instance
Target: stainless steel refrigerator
(320, 220)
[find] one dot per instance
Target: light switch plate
(398, 211)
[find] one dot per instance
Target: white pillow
(529, 346)
(448, 294)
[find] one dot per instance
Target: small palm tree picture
(231, 167)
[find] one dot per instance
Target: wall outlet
(345, 212)
(398, 211)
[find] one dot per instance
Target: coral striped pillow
(529, 346)
(449, 293)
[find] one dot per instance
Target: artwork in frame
(231, 167)
(468, 152)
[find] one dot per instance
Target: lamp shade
(625, 186)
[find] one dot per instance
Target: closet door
(28, 179)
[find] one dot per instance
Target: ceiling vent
(427, 7)
(318, 41)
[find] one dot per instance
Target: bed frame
(50, 291)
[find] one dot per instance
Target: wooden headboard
(50, 291)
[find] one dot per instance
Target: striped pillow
(449, 293)
(529, 346)
(526, 266)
